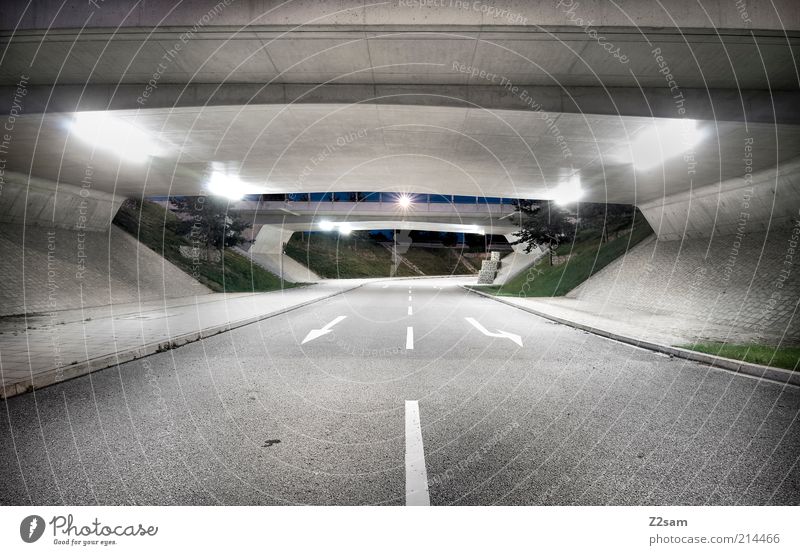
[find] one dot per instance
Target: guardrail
(372, 207)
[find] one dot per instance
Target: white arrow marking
(313, 334)
(500, 333)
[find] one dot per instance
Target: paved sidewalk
(658, 332)
(657, 328)
(36, 351)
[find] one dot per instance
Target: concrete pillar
(267, 251)
(271, 239)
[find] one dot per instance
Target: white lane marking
(410, 311)
(409, 337)
(385, 286)
(416, 474)
(500, 333)
(313, 334)
(409, 298)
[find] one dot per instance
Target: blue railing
(416, 198)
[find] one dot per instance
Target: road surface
(404, 392)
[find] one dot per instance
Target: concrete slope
(732, 288)
(46, 270)
(292, 270)
(515, 263)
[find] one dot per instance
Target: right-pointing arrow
(500, 333)
(313, 334)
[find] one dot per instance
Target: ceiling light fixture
(568, 192)
(107, 132)
(662, 141)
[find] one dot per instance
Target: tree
(544, 224)
(208, 221)
(605, 217)
(449, 239)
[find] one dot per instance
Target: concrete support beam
(40, 202)
(756, 106)
(350, 14)
(768, 199)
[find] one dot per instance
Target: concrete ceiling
(270, 91)
(448, 150)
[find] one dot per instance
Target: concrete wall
(267, 252)
(58, 251)
(33, 201)
(738, 288)
(61, 269)
(753, 203)
(517, 261)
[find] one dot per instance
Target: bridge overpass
(274, 223)
(476, 217)
(690, 100)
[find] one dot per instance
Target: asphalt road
(255, 416)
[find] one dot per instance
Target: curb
(770, 373)
(64, 373)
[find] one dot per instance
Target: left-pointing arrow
(313, 334)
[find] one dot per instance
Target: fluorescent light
(568, 192)
(665, 139)
(107, 132)
(344, 229)
(325, 225)
(226, 185)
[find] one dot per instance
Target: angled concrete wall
(267, 251)
(755, 202)
(40, 202)
(51, 269)
(732, 288)
(60, 251)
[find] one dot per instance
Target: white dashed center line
(410, 312)
(416, 474)
(409, 337)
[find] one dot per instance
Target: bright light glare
(343, 228)
(568, 192)
(664, 140)
(106, 132)
(226, 185)
(404, 201)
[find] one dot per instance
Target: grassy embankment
(589, 256)
(335, 256)
(153, 226)
(782, 357)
